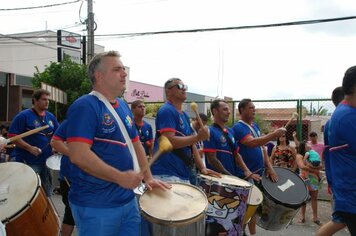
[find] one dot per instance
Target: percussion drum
(281, 199)
(254, 200)
(227, 197)
(24, 207)
(54, 162)
(177, 211)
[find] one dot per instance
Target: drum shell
(252, 207)
(229, 217)
(38, 216)
(274, 216)
(194, 225)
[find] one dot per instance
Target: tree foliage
(68, 76)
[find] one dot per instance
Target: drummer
(173, 122)
(248, 137)
(58, 144)
(221, 149)
(35, 149)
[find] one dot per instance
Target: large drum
(281, 199)
(227, 197)
(24, 207)
(177, 211)
(254, 200)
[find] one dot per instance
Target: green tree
(68, 76)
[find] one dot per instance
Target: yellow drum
(255, 199)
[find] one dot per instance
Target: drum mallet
(164, 145)
(25, 134)
(194, 108)
(294, 115)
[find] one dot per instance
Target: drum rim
(176, 222)
(29, 203)
(291, 205)
(229, 185)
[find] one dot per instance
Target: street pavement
(295, 229)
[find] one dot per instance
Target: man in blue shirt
(342, 151)
(144, 129)
(251, 144)
(221, 149)
(35, 149)
(173, 122)
(103, 142)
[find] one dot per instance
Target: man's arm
(252, 142)
(214, 161)
(81, 155)
(248, 174)
(60, 146)
(180, 142)
(269, 168)
(28, 147)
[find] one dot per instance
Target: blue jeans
(123, 220)
(45, 175)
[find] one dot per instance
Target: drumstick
(164, 145)
(28, 133)
(294, 115)
(194, 107)
(246, 177)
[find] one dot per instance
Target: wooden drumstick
(294, 115)
(27, 133)
(164, 145)
(194, 107)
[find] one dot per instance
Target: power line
(35, 7)
(123, 35)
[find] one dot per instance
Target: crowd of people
(104, 143)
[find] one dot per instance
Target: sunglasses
(180, 86)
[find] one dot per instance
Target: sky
(290, 62)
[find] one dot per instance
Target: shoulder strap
(229, 141)
(121, 127)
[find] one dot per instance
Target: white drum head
(54, 162)
(180, 203)
(18, 185)
(227, 180)
(256, 196)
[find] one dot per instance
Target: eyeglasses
(180, 86)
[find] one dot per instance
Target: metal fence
(271, 114)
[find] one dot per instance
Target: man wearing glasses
(173, 122)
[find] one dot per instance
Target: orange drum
(24, 207)
(254, 200)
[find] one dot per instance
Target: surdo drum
(254, 201)
(227, 197)
(281, 199)
(24, 207)
(176, 211)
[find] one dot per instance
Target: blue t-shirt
(218, 144)
(252, 156)
(145, 133)
(67, 166)
(28, 120)
(89, 121)
(342, 141)
(171, 120)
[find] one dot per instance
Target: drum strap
(121, 127)
(228, 139)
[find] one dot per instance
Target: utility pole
(90, 28)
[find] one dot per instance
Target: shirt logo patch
(107, 120)
(50, 123)
(128, 121)
(222, 139)
(181, 124)
(36, 123)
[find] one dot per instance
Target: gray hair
(95, 63)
